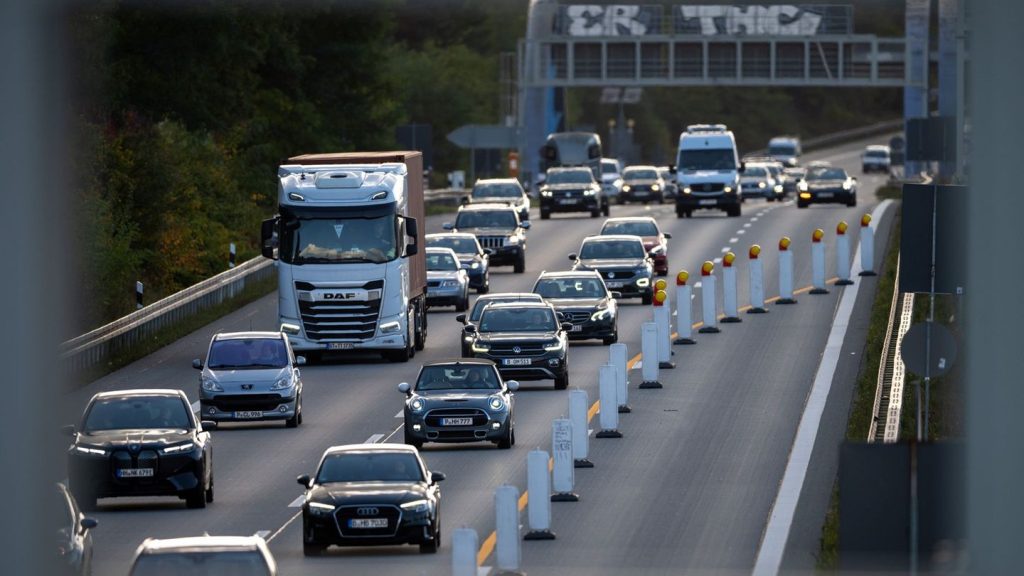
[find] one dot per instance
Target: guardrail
(825, 140)
(885, 421)
(103, 343)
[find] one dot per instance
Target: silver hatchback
(250, 376)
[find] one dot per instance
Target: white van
(785, 149)
(708, 170)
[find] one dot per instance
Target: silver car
(250, 376)
(447, 282)
(204, 555)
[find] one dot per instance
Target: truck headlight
(390, 327)
(211, 385)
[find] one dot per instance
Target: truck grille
(345, 513)
(707, 188)
(433, 418)
(491, 241)
(340, 320)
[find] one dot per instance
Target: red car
(655, 241)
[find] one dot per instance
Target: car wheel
(312, 548)
(506, 441)
(606, 208)
(209, 491)
(646, 299)
(595, 212)
(486, 286)
(432, 546)
(545, 214)
(801, 205)
(611, 339)
(196, 498)
(463, 303)
(295, 420)
(312, 356)
(852, 202)
(734, 212)
(417, 444)
(520, 265)
(563, 382)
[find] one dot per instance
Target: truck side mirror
(412, 229)
(268, 238)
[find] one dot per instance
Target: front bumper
(173, 474)
(756, 192)
(506, 255)
(547, 366)
(634, 195)
(391, 341)
(591, 329)
(445, 296)
(246, 407)
(629, 288)
(487, 426)
(573, 204)
(710, 202)
(838, 196)
(410, 528)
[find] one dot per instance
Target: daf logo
(134, 447)
(246, 386)
(611, 274)
(339, 295)
(367, 511)
(517, 349)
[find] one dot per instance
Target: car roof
(570, 274)
(487, 206)
(568, 169)
(640, 167)
(201, 544)
(465, 235)
(140, 392)
(877, 147)
(630, 219)
(497, 181)
(383, 447)
(519, 305)
(246, 335)
(496, 295)
(613, 238)
(450, 361)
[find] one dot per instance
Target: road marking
(399, 415)
(747, 225)
(374, 439)
(263, 533)
(725, 249)
(696, 285)
(297, 503)
(780, 520)
(734, 240)
(741, 231)
(716, 261)
(754, 219)
(281, 529)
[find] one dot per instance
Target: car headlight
(179, 448)
(643, 282)
(686, 190)
(416, 404)
(495, 403)
(390, 327)
(589, 192)
(761, 184)
(92, 451)
(600, 314)
(847, 185)
(655, 187)
(211, 385)
(321, 509)
(625, 187)
(778, 188)
(545, 193)
(728, 189)
(281, 384)
(416, 506)
(552, 346)
(512, 240)
(449, 283)
(480, 347)
(474, 265)
(801, 186)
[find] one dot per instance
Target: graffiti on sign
(782, 20)
(608, 20)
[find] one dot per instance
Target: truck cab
(708, 171)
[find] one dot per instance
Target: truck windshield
(707, 159)
(328, 240)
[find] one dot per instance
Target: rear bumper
(837, 197)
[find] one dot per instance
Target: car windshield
(370, 467)
(707, 159)
(570, 177)
(137, 412)
(481, 303)
(518, 320)
(631, 228)
(640, 175)
(796, 172)
(609, 167)
(441, 262)
(497, 191)
(877, 154)
(826, 174)
(327, 240)
(461, 245)
(486, 219)
(755, 172)
(248, 353)
(458, 377)
(570, 288)
(193, 563)
(782, 150)
(612, 249)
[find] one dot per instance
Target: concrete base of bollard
(757, 311)
(786, 301)
(651, 384)
(868, 273)
(609, 434)
(844, 282)
(684, 341)
(565, 497)
(539, 535)
(582, 463)
(709, 330)
(730, 320)
(666, 365)
(625, 409)
(818, 291)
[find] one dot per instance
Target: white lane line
(297, 503)
(483, 570)
(696, 285)
(281, 529)
(734, 240)
(639, 364)
(263, 533)
(590, 431)
(374, 439)
(717, 260)
(399, 415)
(393, 432)
(747, 225)
(780, 520)
(725, 249)
(741, 231)
(754, 219)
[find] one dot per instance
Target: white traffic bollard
(649, 355)
(842, 255)
(785, 272)
(562, 474)
(867, 247)
(663, 321)
(578, 406)
(709, 308)
(610, 416)
(465, 544)
(684, 310)
(729, 289)
(617, 354)
(756, 269)
(818, 262)
(538, 483)
(508, 551)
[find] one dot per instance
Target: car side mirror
(68, 430)
(290, 329)
(525, 225)
(300, 360)
(447, 226)
(464, 201)
(208, 424)
(672, 169)
(566, 326)
(88, 523)
(743, 167)
(573, 256)
(667, 235)
(404, 388)
(616, 295)
(436, 477)
(470, 329)
(512, 385)
(651, 254)
(461, 318)
(303, 480)
(488, 251)
(197, 364)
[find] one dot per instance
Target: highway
(687, 490)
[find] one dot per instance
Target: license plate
(456, 421)
(368, 523)
(516, 361)
(135, 473)
(577, 328)
(249, 414)
(340, 345)
(708, 202)
(824, 194)
(567, 201)
(613, 284)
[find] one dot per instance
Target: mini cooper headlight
(495, 403)
(416, 405)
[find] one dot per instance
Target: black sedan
(525, 340)
(622, 261)
(582, 300)
(74, 539)
(825, 184)
(462, 400)
(371, 494)
(140, 443)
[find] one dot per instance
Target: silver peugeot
(250, 376)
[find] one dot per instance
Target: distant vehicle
(611, 178)
(473, 258)
(671, 188)
(825, 184)
(564, 149)
(498, 228)
(642, 184)
(582, 299)
(572, 190)
(502, 190)
(785, 149)
(757, 182)
(876, 158)
(447, 282)
(525, 340)
(140, 443)
(793, 177)
(463, 400)
(204, 556)
(250, 376)
(478, 307)
(778, 173)
(622, 262)
(646, 227)
(368, 495)
(74, 539)
(708, 171)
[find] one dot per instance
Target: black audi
(462, 400)
(582, 300)
(140, 443)
(525, 340)
(371, 494)
(622, 261)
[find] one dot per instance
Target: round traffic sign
(914, 351)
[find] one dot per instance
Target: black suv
(478, 308)
(525, 340)
(497, 227)
(502, 191)
(622, 261)
(571, 190)
(584, 301)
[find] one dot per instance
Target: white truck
(708, 170)
(349, 243)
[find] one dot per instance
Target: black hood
(346, 493)
(825, 184)
(126, 438)
(567, 187)
(611, 263)
(516, 337)
(581, 304)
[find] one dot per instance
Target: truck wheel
(417, 444)
(801, 205)
(646, 299)
(520, 265)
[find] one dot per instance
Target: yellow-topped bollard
(707, 268)
(754, 252)
(660, 284)
(865, 220)
(682, 277)
(784, 243)
(659, 298)
(842, 227)
(817, 235)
